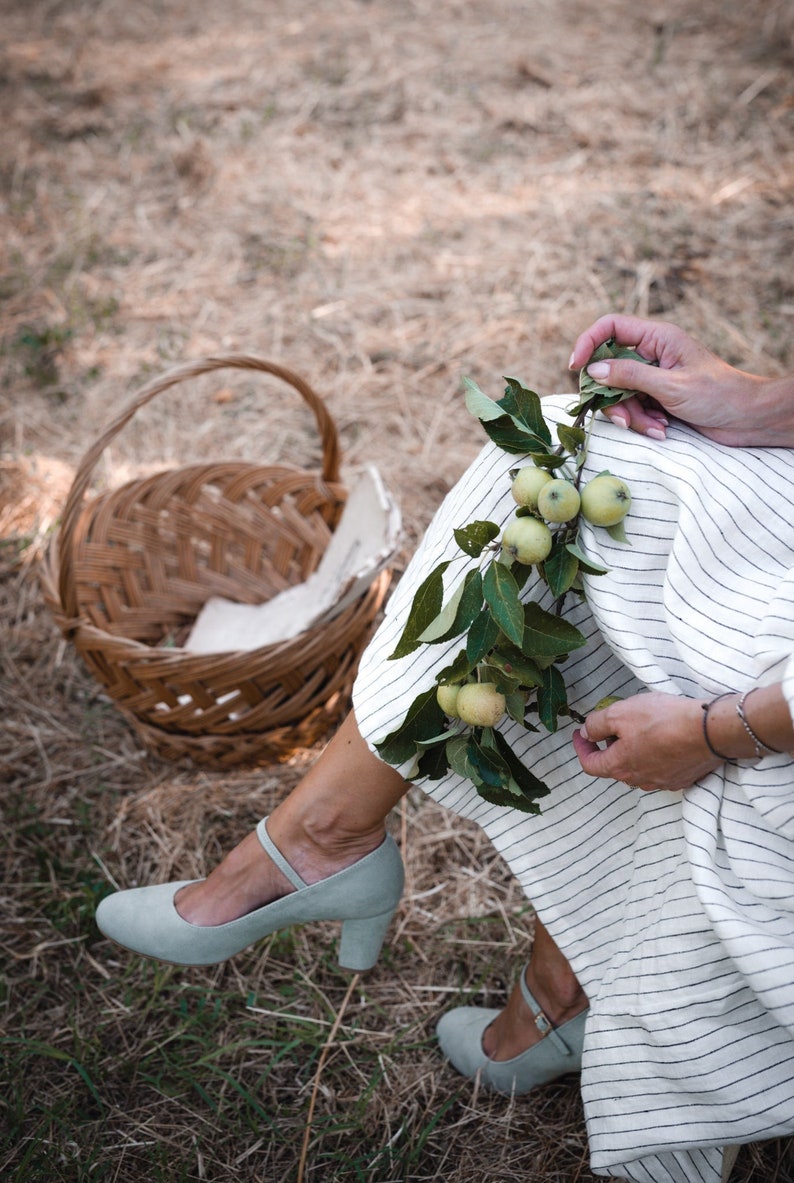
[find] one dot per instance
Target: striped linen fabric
(675, 910)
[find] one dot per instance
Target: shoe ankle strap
(277, 856)
(542, 1021)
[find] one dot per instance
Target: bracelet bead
(761, 748)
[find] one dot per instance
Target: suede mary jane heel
(363, 896)
(460, 1032)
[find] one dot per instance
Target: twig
(318, 1074)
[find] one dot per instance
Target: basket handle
(182, 373)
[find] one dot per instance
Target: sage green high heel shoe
(460, 1033)
(363, 896)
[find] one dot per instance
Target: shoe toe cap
(460, 1033)
(144, 920)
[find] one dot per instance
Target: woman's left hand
(651, 741)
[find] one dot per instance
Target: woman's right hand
(688, 382)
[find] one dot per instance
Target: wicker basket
(130, 569)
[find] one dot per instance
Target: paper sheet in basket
(361, 546)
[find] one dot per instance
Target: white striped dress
(675, 910)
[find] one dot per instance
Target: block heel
(362, 940)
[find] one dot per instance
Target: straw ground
(386, 197)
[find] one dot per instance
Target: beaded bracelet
(760, 747)
(706, 708)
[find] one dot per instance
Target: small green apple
(528, 483)
(559, 501)
(607, 701)
(480, 704)
(447, 699)
(606, 500)
(527, 540)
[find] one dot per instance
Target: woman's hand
(651, 741)
(725, 404)
(658, 741)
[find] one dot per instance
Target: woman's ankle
(558, 994)
(556, 989)
(320, 837)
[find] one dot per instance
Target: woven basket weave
(129, 570)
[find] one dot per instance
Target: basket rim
(331, 453)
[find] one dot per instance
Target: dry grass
(385, 197)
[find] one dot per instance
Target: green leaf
(425, 607)
(508, 795)
(524, 407)
(483, 635)
(530, 785)
(510, 437)
(516, 701)
(423, 720)
(544, 660)
(459, 613)
(433, 740)
(585, 403)
(517, 665)
(522, 572)
(548, 460)
(457, 754)
(433, 763)
(474, 538)
(490, 767)
(592, 391)
(587, 565)
(618, 533)
(546, 635)
(487, 738)
(552, 697)
(470, 604)
(438, 627)
(457, 670)
(571, 438)
(501, 594)
(505, 683)
(610, 397)
(478, 403)
(560, 569)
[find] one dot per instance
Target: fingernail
(656, 433)
(619, 419)
(570, 362)
(583, 731)
(599, 369)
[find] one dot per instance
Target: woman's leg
(331, 819)
(553, 983)
(538, 1037)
